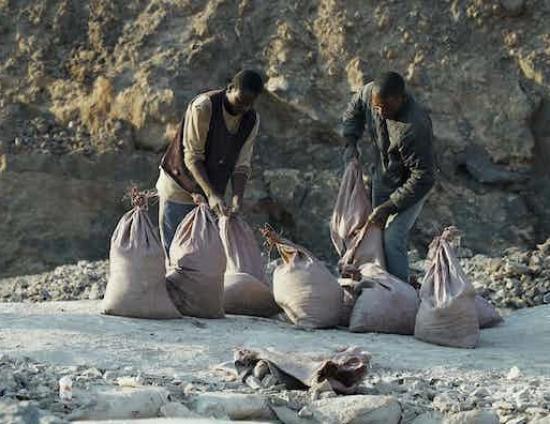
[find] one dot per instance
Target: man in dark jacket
(403, 171)
(213, 146)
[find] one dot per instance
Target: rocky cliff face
(86, 87)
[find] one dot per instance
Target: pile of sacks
(214, 267)
(446, 311)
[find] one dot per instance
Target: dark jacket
(404, 155)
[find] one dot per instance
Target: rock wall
(81, 78)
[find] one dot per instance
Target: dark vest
(221, 150)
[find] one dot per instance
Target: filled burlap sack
(303, 287)
(136, 286)
(487, 315)
(350, 293)
(447, 315)
(245, 289)
(355, 242)
(385, 304)
(197, 264)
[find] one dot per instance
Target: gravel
(82, 281)
(30, 387)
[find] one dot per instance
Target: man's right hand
(350, 152)
(217, 204)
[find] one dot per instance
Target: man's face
(387, 107)
(241, 100)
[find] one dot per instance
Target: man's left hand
(380, 214)
(236, 204)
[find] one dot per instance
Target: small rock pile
(519, 279)
(83, 281)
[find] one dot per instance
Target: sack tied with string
(447, 315)
(197, 264)
(136, 286)
(245, 289)
(303, 287)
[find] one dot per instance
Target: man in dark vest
(403, 172)
(213, 146)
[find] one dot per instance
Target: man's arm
(353, 123)
(243, 167)
(197, 122)
(417, 155)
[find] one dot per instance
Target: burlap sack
(355, 242)
(447, 315)
(385, 304)
(197, 265)
(349, 297)
(303, 287)
(245, 289)
(487, 315)
(136, 285)
(341, 372)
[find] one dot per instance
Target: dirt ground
(72, 333)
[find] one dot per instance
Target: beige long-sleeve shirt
(197, 123)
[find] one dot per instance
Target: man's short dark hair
(248, 80)
(389, 84)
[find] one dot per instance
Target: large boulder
(357, 409)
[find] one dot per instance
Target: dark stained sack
(245, 289)
(136, 285)
(487, 314)
(342, 371)
(355, 242)
(197, 264)
(303, 287)
(385, 304)
(447, 315)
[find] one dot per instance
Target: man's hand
(236, 204)
(217, 204)
(350, 271)
(350, 152)
(380, 214)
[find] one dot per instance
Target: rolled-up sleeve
(244, 161)
(353, 120)
(417, 157)
(197, 123)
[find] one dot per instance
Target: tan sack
(349, 297)
(245, 289)
(136, 285)
(355, 242)
(303, 287)
(487, 315)
(385, 304)
(197, 265)
(447, 315)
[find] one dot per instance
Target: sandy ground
(73, 333)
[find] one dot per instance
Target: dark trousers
(170, 216)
